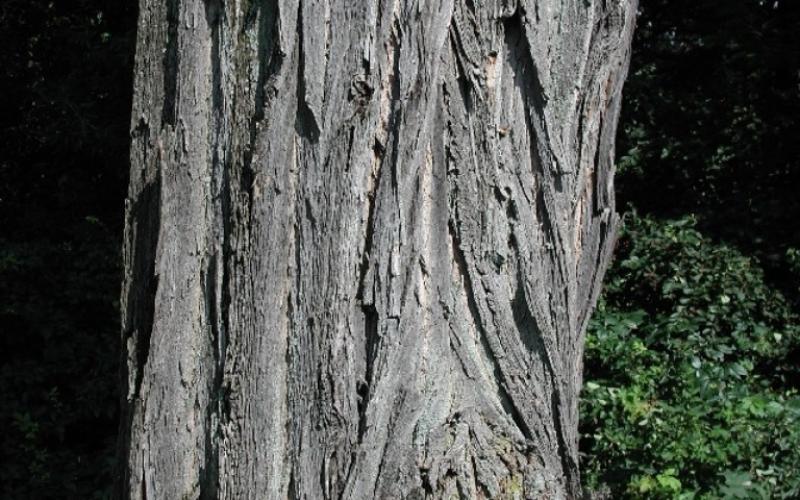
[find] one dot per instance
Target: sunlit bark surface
(364, 238)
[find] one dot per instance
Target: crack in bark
(170, 64)
(145, 223)
(503, 395)
(307, 120)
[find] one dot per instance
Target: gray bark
(363, 242)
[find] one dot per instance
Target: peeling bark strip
(363, 242)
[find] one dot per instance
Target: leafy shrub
(689, 391)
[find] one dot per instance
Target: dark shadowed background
(692, 383)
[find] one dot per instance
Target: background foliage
(691, 390)
(692, 379)
(65, 85)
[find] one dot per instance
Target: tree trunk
(363, 242)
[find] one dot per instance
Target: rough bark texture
(363, 242)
